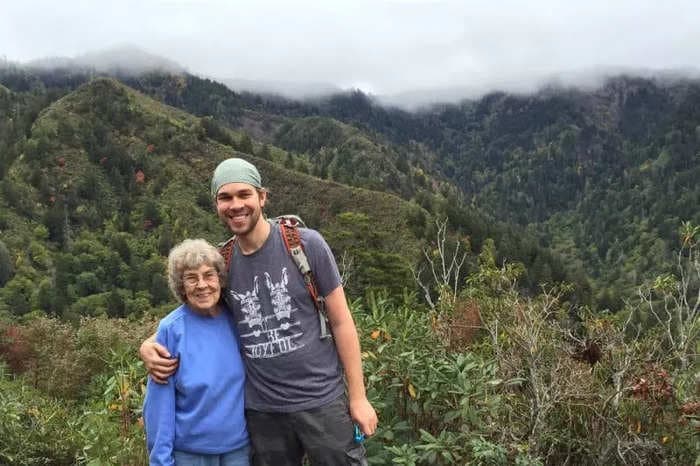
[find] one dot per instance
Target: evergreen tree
(245, 145)
(264, 153)
(115, 304)
(6, 266)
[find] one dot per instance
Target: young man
(296, 401)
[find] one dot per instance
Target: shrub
(61, 360)
(111, 431)
(6, 266)
(432, 401)
(35, 429)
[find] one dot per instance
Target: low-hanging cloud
(384, 47)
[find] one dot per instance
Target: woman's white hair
(192, 254)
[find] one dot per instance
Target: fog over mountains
(128, 59)
(133, 60)
(546, 156)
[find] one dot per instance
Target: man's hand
(157, 360)
(363, 414)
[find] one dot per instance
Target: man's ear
(263, 197)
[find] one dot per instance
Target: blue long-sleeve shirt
(201, 408)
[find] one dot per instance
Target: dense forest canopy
(102, 158)
(605, 177)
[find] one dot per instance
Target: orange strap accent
(292, 239)
(226, 252)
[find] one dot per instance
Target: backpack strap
(292, 241)
(289, 229)
(226, 250)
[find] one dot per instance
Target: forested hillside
(605, 176)
(110, 180)
(482, 246)
(321, 147)
(602, 177)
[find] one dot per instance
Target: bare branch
(445, 267)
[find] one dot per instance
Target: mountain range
(104, 169)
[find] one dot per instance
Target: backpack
(289, 229)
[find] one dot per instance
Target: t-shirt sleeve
(322, 261)
(159, 410)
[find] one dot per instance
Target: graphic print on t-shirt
(271, 332)
(281, 302)
(250, 306)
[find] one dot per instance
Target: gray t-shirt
(288, 367)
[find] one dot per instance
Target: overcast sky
(380, 46)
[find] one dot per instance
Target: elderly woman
(197, 418)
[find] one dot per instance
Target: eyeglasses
(192, 278)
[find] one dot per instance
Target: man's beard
(253, 219)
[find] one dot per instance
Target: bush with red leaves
(14, 349)
(654, 386)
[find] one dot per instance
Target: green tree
(6, 266)
(165, 240)
(264, 152)
(49, 299)
(116, 307)
(87, 283)
(151, 214)
(245, 145)
(17, 294)
(55, 220)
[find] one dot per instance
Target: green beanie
(235, 171)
